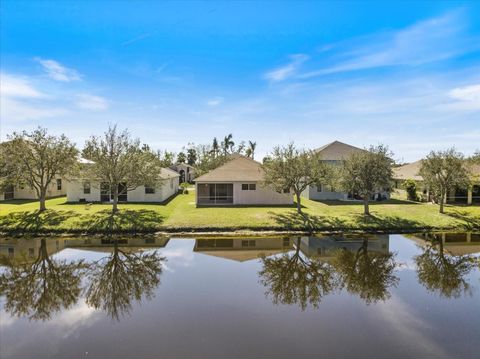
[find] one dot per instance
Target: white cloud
(467, 93)
(13, 111)
(427, 41)
(58, 72)
(14, 86)
(284, 72)
(91, 102)
(215, 101)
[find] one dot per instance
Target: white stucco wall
(311, 193)
(162, 193)
(25, 192)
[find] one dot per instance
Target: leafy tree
(228, 144)
(240, 148)
(443, 273)
(116, 280)
(166, 158)
(181, 157)
(366, 173)
(215, 148)
(292, 278)
(443, 171)
(365, 273)
(191, 156)
(184, 186)
(120, 163)
(208, 159)
(294, 169)
(250, 152)
(41, 288)
(36, 159)
(411, 188)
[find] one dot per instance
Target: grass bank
(181, 215)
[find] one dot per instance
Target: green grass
(181, 214)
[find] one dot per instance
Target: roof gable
(337, 151)
(238, 168)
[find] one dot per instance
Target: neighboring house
(334, 154)
(55, 189)
(470, 195)
(85, 190)
(238, 182)
(186, 172)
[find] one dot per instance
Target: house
(238, 182)
(186, 172)
(470, 195)
(86, 190)
(335, 153)
(55, 189)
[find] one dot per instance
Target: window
(11, 252)
(286, 190)
(59, 184)
(171, 182)
(248, 243)
(244, 187)
(319, 187)
(286, 242)
(249, 186)
(149, 189)
(86, 187)
(31, 252)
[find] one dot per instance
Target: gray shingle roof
(337, 151)
(238, 168)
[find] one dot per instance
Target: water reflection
(321, 265)
(441, 272)
(38, 287)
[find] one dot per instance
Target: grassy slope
(181, 213)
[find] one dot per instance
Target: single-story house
(240, 181)
(86, 190)
(186, 172)
(55, 189)
(470, 195)
(335, 153)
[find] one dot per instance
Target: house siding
(26, 192)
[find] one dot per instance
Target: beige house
(55, 189)
(85, 190)
(186, 172)
(470, 195)
(335, 153)
(238, 182)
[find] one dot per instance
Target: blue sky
(406, 74)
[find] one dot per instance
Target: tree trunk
(442, 199)
(42, 201)
(115, 199)
(366, 208)
(299, 205)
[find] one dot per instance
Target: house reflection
(456, 244)
(242, 249)
(26, 250)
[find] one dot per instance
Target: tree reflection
(41, 288)
(116, 280)
(365, 273)
(292, 278)
(443, 273)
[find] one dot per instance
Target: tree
(443, 171)
(367, 172)
(215, 147)
(291, 169)
(291, 278)
(443, 273)
(41, 288)
(228, 144)
(116, 280)
(191, 156)
(181, 157)
(365, 273)
(411, 188)
(250, 152)
(166, 158)
(36, 159)
(120, 164)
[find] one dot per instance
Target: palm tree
(215, 147)
(228, 144)
(251, 149)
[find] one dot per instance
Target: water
(359, 296)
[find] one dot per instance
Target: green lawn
(181, 214)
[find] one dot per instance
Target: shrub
(184, 186)
(410, 187)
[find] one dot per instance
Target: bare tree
(443, 171)
(36, 159)
(366, 173)
(120, 163)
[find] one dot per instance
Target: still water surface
(358, 296)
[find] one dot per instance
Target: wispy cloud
(14, 86)
(92, 102)
(286, 71)
(57, 71)
(431, 40)
(215, 101)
